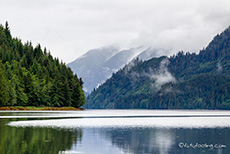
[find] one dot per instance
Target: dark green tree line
(30, 76)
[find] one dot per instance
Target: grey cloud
(69, 28)
(219, 67)
(159, 76)
(162, 76)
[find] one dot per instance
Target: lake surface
(115, 132)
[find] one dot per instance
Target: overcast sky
(69, 28)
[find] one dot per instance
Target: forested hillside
(30, 76)
(182, 81)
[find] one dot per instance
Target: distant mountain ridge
(182, 81)
(88, 66)
(97, 65)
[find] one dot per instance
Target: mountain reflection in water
(116, 135)
(150, 141)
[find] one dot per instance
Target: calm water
(115, 132)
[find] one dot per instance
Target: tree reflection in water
(37, 140)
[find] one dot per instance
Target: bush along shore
(34, 108)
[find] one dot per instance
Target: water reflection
(36, 140)
(141, 140)
(164, 140)
(110, 135)
(93, 142)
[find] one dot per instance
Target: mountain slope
(88, 66)
(181, 81)
(99, 64)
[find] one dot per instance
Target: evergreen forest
(182, 81)
(30, 76)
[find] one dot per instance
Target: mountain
(90, 64)
(97, 65)
(30, 76)
(182, 81)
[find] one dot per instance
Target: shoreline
(34, 108)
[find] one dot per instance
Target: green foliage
(32, 77)
(4, 89)
(16, 140)
(182, 81)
